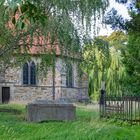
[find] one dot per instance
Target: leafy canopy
(59, 22)
(131, 52)
(103, 62)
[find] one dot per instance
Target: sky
(122, 10)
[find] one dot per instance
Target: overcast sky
(122, 10)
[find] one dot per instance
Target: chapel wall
(43, 89)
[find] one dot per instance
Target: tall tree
(96, 62)
(103, 62)
(131, 52)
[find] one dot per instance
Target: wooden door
(5, 94)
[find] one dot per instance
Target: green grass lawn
(87, 126)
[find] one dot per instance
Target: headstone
(45, 110)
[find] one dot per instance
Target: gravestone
(46, 110)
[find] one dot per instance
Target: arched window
(69, 76)
(29, 73)
(25, 73)
(32, 73)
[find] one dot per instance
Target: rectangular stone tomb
(49, 110)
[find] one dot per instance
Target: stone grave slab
(46, 110)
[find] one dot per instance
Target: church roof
(41, 44)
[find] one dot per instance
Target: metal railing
(124, 107)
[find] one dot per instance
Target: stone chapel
(22, 84)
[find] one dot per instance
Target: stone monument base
(44, 110)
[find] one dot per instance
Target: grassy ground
(87, 126)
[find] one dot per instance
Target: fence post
(102, 103)
(131, 110)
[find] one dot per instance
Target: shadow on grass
(10, 110)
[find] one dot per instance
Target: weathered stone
(44, 86)
(46, 110)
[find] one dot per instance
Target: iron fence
(122, 107)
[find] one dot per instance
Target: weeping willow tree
(116, 73)
(96, 62)
(118, 41)
(103, 62)
(55, 20)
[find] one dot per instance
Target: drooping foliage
(103, 62)
(53, 18)
(96, 62)
(57, 24)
